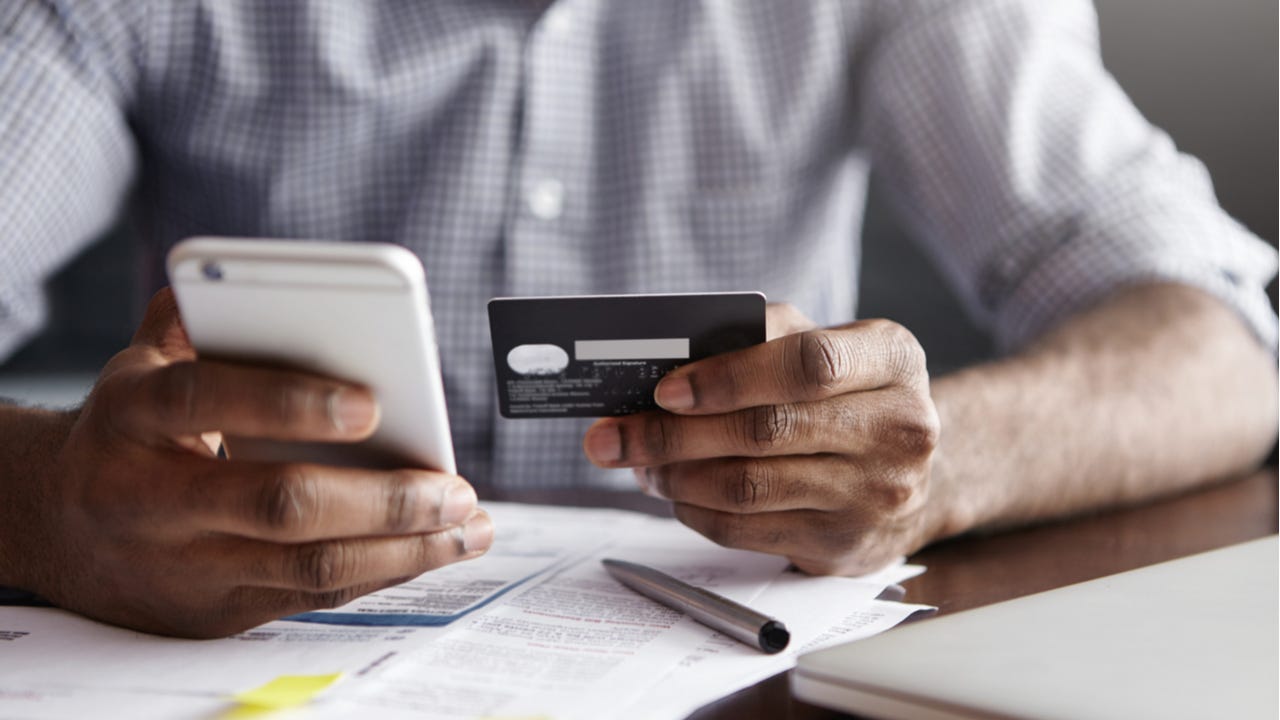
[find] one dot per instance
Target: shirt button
(546, 199)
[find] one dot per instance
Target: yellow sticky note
(286, 691)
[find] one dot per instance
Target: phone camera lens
(211, 270)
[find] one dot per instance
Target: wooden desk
(973, 571)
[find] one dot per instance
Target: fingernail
(477, 535)
(604, 444)
(352, 410)
(674, 393)
(458, 504)
(642, 477)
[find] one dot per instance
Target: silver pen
(718, 613)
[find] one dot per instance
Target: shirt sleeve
(66, 153)
(1029, 175)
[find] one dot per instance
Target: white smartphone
(357, 312)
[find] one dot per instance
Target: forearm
(1157, 389)
(29, 442)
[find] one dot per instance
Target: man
(588, 147)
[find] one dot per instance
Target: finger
(247, 607)
(807, 366)
(331, 566)
(786, 532)
(892, 421)
(190, 398)
(816, 542)
(756, 485)
(300, 502)
(785, 319)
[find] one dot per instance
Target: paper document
(534, 628)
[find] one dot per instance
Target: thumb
(162, 329)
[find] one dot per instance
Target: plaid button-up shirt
(599, 146)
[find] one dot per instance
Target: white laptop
(1190, 638)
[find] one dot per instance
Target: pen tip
(774, 637)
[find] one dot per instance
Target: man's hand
(135, 521)
(816, 445)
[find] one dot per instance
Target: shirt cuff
(1201, 247)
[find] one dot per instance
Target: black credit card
(599, 355)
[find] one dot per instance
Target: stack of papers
(534, 628)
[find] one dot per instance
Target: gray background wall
(1205, 70)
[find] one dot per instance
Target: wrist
(947, 513)
(959, 501)
(31, 440)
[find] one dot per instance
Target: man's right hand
(136, 522)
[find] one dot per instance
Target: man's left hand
(816, 445)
